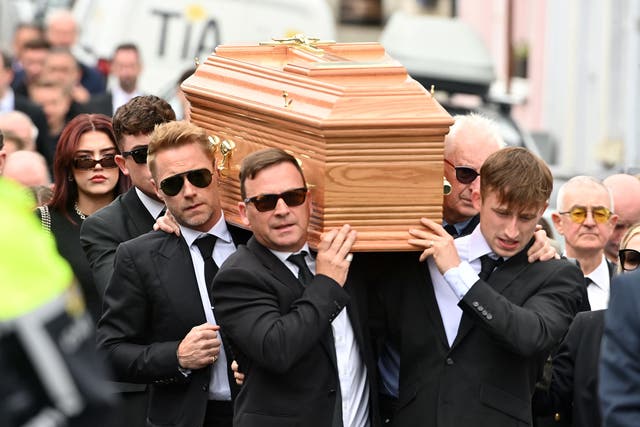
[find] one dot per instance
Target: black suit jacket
(281, 335)
(102, 232)
(573, 391)
(507, 328)
(150, 304)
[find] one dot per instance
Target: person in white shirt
(586, 220)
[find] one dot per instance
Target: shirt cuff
(184, 371)
(461, 278)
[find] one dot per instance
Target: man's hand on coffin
(434, 241)
(167, 223)
(333, 257)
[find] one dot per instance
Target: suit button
(205, 387)
(332, 391)
(489, 316)
(475, 303)
(480, 308)
(485, 312)
(449, 361)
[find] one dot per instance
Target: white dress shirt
(598, 291)
(219, 383)
(452, 287)
(153, 206)
(352, 372)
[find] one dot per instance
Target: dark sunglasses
(464, 174)
(629, 259)
(171, 186)
(579, 213)
(268, 202)
(107, 162)
(139, 154)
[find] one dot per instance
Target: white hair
(581, 180)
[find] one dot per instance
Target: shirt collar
(219, 230)
(600, 276)
(7, 103)
(282, 256)
(153, 206)
(459, 226)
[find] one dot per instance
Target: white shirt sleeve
(461, 278)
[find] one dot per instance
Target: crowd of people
(205, 323)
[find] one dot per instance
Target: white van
(171, 33)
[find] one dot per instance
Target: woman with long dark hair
(86, 179)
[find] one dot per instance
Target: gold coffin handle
(226, 149)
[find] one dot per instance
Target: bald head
(28, 168)
(21, 125)
(625, 190)
(471, 139)
(61, 29)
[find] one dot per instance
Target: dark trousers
(133, 408)
(219, 414)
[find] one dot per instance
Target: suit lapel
(175, 270)
(428, 296)
(285, 276)
(499, 280)
(137, 213)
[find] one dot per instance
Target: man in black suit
(126, 67)
(133, 213)
(297, 335)
(473, 341)
(130, 215)
(619, 387)
(10, 101)
(158, 325)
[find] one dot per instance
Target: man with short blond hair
(158, 326)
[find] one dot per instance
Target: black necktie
(206, 244)
(488, 264)
(451, 229)
(304, 274)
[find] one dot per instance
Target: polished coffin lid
(369, 138)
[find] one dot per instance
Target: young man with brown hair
(473, 340)
(130, 215)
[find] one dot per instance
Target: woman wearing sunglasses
(573, 393)
(86, 179)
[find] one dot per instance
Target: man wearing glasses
(292, 317)
(585, 218)
(158, 325)
(130, 215)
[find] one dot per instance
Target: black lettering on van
(209, 38)
(165, 16)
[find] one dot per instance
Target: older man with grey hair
(586, 220)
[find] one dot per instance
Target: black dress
(67, 236)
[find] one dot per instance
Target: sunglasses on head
(629, 259)
(268, 202)
(107, 162)
(464, 174)
(139, 154)
(578, 214)
(171, 186)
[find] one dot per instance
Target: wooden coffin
(369, 137)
